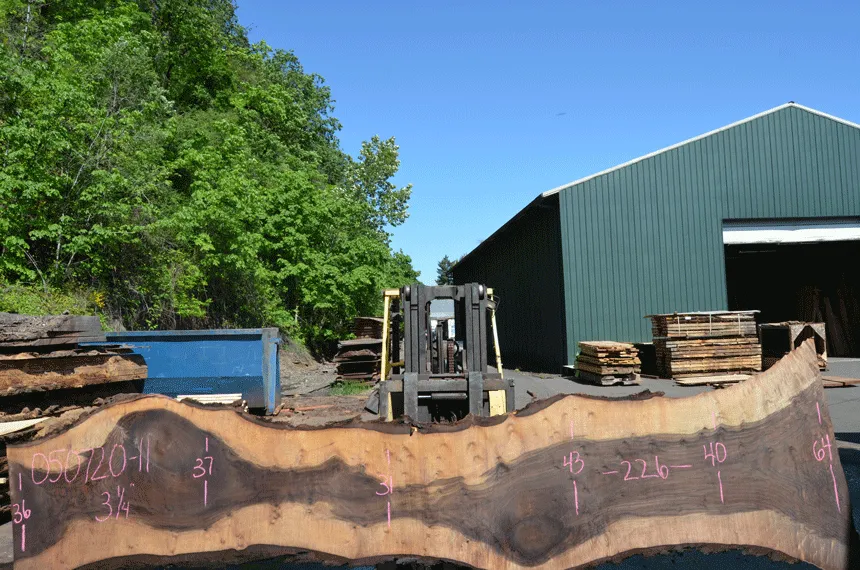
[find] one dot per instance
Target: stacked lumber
(704, 344)
(643, 476)
(44, 372)
(359, 359)
(367, 327)
(605, 362)
(19, 332)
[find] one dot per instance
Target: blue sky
(493, 103)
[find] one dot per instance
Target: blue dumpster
(224, 361)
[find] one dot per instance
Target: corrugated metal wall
(523, 265)
(647, 238)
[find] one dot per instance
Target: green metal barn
(761, 214)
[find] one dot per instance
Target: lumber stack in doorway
(567, 482)
(703, 344)
(605, 363)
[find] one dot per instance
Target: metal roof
(558, 189)
(542, 196)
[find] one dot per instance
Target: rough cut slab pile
(367, 327)
(359, 359)
(703, 344)
(566, 482)
(22, 332)
(605, 362)
(44, 372)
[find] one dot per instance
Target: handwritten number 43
(569, 461)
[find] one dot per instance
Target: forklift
(442, 376)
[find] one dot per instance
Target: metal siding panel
(670, 208)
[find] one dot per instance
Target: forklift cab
(441, 377)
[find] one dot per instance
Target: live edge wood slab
(566, 482)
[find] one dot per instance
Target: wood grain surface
(566, 482)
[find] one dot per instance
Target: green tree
(151, 158)
(445, 272)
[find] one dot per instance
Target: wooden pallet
(608, 379)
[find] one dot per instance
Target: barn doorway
(787, 278)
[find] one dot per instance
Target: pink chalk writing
(200, 465)
(20, 514)
(576, 497)
(820, 454)
(68, 464)
(569, 461)
(122, 505)
(717, 453)
(19, 482)
(720, 480)
(660, 471)
(388, 483)
(571, 429)
(835, 489)
(203, 468)
(680, 466)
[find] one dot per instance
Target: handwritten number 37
(203, 470)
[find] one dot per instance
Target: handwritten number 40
(717, 453)
(203, 470)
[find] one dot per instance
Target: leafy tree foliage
(445, 272)
(153, 157)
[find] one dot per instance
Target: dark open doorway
(817, 282)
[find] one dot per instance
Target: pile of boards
(46, 372)
(689, 345)
(606, 363)
(360, 359)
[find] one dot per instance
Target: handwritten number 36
(20, 513)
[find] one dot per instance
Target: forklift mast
(440, 374)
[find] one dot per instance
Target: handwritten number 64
(203, 470)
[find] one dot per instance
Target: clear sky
(493, 103)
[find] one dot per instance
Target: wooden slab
(566, 482)
(706, 380)
(34, 331)
(25, 372)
